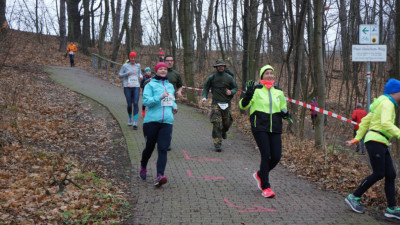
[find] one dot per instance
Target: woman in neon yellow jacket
(268, 107)
(379, 128)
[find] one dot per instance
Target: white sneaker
(130, 123)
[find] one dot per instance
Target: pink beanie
(160, 64)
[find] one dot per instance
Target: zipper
(163, 110)
(270, 110)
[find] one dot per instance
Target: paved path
(206, 187)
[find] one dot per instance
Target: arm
(363, 126)
(234, 87)
(123, 72)
(354, 116)
(148, 98)
(386, 119)
(179, 85)
(206, 87)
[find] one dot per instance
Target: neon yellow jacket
(381, 118)
(266, 106)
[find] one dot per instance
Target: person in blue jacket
(158, 96)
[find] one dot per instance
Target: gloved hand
(286, 115)
(249, 89)
(163, 95)
(203, 100)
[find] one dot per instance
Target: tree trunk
(86, 28)
(2, 13)
(104, 27)
(221, 47)
(319, 71)
(186, 27)
(165, 41)
(74, 20)
(63, 37)
(136, 26)
(276, 12)
(116, 25)
(203, 36)
(93, 39)
(246, 31)
(128, 37)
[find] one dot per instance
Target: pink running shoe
(268, 193)
(161, 179)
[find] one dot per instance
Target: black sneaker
(354, 203)
(393, 212)
(135, 127)
(169, 148)
(218, 149)
(224, 135)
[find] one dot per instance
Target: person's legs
(275, 149)
(216, 120)
(376, 152)
(150, 132)
(71, 59)
(227, 121)
(263, 143)
(135, 99)
(163, 142)
(128, 96)
(390, 176)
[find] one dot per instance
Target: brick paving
(204, 186)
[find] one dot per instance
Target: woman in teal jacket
(379, 128)
(158, 96)
(268, 107)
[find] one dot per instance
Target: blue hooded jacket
(151, 98)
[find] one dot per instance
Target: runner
(71, 51)
(160, 55)
(314, 113)
(268, 107)
(357, 116)
(379, 128)
(131, 76)
(159, 97)
(223, 87)
(146, 76)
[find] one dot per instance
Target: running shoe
(258, 180)
(393, 212)
(143, 173)
(268, 193)
(218, 149)
(130, 122)
(135, 125)
(161, 179)
(224, 135)
(354, 203)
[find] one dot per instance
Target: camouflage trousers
(222, 121)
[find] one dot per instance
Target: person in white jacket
(131, 76)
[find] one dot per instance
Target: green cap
(220, 62)
(264, 68)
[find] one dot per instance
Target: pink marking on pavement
(206, 177)
(200, 158)
(257, 209)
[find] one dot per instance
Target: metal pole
(368, 85)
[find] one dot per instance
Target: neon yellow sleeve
(363, 126)
(386, 119)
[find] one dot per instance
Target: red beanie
(160, 64)
(132, 54)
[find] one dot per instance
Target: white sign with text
(369, 53)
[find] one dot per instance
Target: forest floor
(45, 164)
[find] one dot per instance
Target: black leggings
(270, 146)
(160, 134)
(382, 166)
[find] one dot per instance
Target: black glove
(249, 89)
(286, 115)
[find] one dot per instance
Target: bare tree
(74, 20)
(165, 22)
(63, 37)
(221, 47)
(186, 27)
(85, 28)
(136, 26)
(276, 8)
(319, 70)
(202, 36)
(116, 15)
(2, 12)
(104, 27)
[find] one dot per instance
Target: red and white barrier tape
(334, 115)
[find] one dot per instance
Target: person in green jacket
(268, 107)
(378, 127)
(223, 88)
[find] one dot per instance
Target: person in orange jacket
(357, 115)
(71, 51)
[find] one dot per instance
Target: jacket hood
(376, 102)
